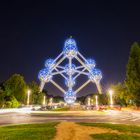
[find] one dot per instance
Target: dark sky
(32, 31)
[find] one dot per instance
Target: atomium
(70, 71)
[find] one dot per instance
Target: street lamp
(88, 101)
(96, 97)
(111, 99)
(28, 97)
(44, 100)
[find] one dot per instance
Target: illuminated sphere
(70, 48)
(49, 63)
(95, 75)
(70, 83)
(45, 75)
(70, 97)
(70, 70)
(90, 63)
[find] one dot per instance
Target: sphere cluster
(70, 70)
(70, 48)
(70, 97)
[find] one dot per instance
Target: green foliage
(57, 99)
(133, 74)
(120, 95)
(119, 127)
(114, 136)
(2, 95)
(11, 102)
(36, 95)
(45, 131)
(16, 86)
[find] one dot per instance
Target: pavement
(109, 116)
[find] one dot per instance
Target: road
(123, 117)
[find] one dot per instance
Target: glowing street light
(111, 98)
(44, 100)
(88, 101)
(28, 97)
(96, 97)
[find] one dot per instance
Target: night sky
(32, 31)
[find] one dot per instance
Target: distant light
(96, 97)
(44, 100)
(28, 96)
(111, 98)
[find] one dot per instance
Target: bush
(12, 102)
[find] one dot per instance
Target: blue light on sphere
(95, 75)
(97, 72)
(70, 41)
(49, 63)
(91, 63)
(70, 48)
(70, 97)
(44, 75)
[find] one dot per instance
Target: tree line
(13, 92)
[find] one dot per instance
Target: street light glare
(111, 98)
(29, 91)
(28, 96)
(110, 91)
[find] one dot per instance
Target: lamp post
(88, 101)
(44, 100)
(28, 97)
(111, 98)
(96, 97)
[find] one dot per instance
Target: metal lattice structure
(70, 72)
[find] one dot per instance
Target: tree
(16, 86)
(120, 95)
(133, 74)
(11, 102)
(2, 101)
(36, 95)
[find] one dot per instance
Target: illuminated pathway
(72, 116)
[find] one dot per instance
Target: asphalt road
(123, 117)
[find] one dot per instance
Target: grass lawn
(113, 136)
(127, 131)
(43, 131)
